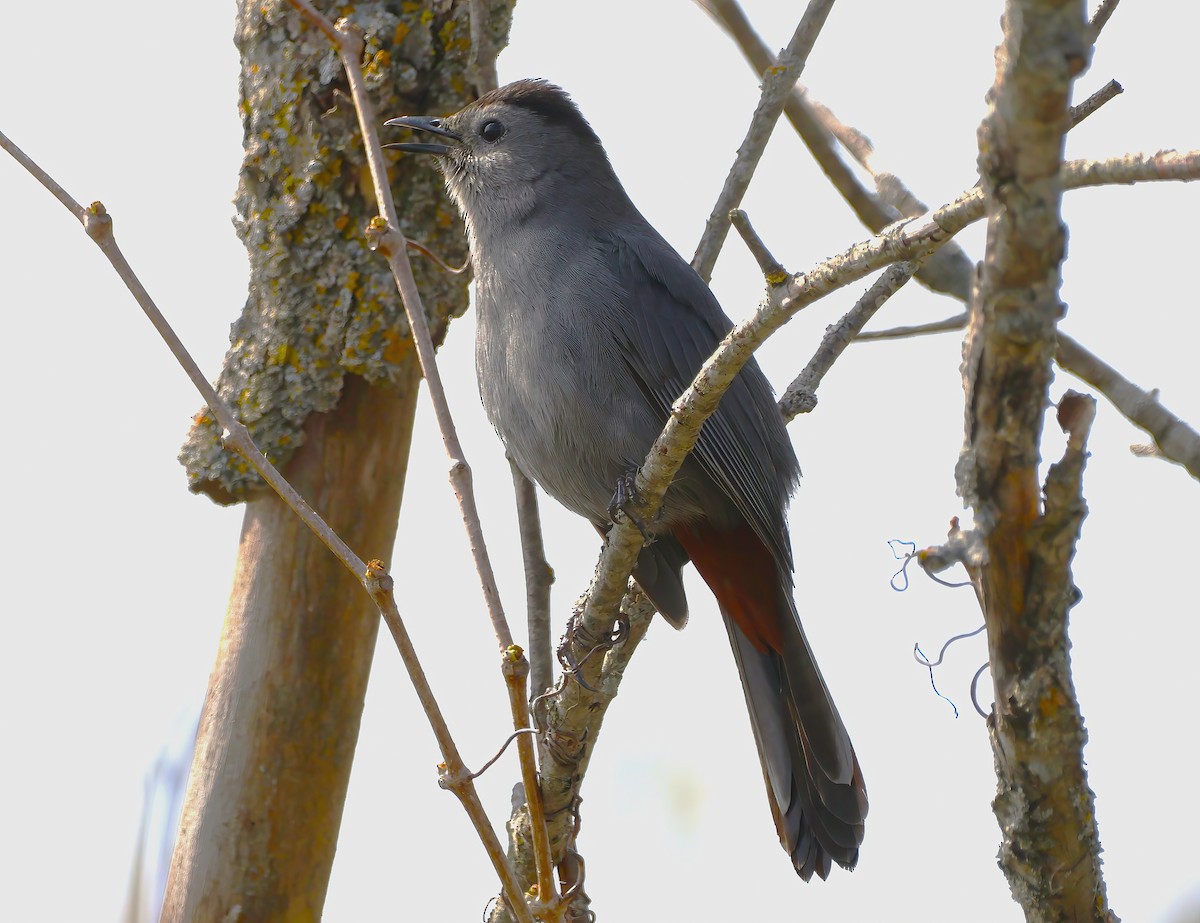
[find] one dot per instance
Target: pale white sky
(114, 579)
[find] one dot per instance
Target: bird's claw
(625, 502)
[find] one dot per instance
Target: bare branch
(44, 178)
(1174, 440)
(454, 774)
(949, 270)
(570, 718)
(1133, 168)
(373, 577)
(905, 241)
(801, 395)
(99, 227)
(901, 242)
(1110, 90)
(777, 84)
(538, 578)
(957, 322)
(548, 904)
(772, 269)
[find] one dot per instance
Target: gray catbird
(589, 326)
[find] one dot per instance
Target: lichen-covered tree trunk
(1050, 849)
(321, 370)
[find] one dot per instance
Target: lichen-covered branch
(1050, 846)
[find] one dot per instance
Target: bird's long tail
(814, 782)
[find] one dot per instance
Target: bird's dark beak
(431, 124)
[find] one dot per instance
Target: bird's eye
(491, 130)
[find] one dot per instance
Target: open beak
(431, 124)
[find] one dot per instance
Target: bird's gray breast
(550, 374)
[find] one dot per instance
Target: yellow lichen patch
(401, 31)
(284, 354)
(1052, 702)
(395, 347)
(378, 64)
(341, 221)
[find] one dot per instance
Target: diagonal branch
(801, 395)
(1173, 438)
(905, 241)
(386, 237)
(374, 579)
(568, 732)
(1109, 91)
(949, 270)
(777, 85)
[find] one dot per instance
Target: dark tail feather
(814, 782)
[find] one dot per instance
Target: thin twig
(374, 578)
(455, 775)
(772, 269)
(949, 270)
(98, 226)
(516, 671)
(801, 394)
(1174, 439)
(538, 578)
(776, 87)
(385, 235)
(1110, 90)
(957, 322)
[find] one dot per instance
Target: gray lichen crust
(320, 304)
